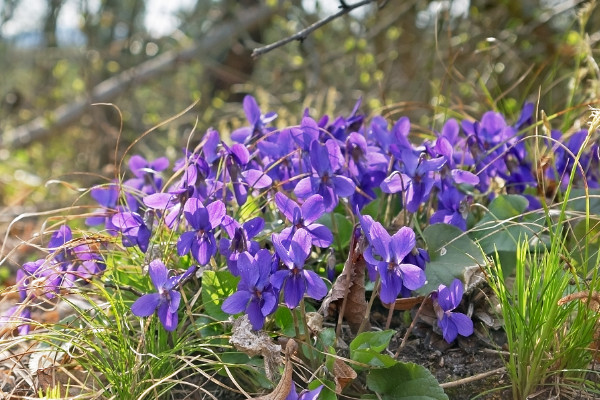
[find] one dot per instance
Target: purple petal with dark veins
(413, 277)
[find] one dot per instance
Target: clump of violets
(445, 300)
(167, 297)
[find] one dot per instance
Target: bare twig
(303, 34)
(473, 378)
(410, 328)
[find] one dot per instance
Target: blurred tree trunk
(236, 63)
(53, 10)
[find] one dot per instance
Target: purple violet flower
(73, 262)
(146, 181)
(240, 240)
(304, 394)
(201, 240)
(394, 273)
(326, 160)
(171, 202)
(107, 197)
(256, 119)
(452, 209)
(452, 324)
(133, 230)
(255, 294)
(167, 298)
(18, 315)
(416, 178)
(303, 217)
(295, 280)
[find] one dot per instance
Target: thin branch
(473, 378)
(303, 34)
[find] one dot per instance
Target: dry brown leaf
(253, 343)
(347, 295)
(406, 303)
(343, 375)
(282, 390)
(594, 305)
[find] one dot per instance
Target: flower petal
(236, 303)
(320, 234)
(247, 269)
(216, 212)
(380, 240)
(279, 277)
(413, 277)
(281, 250)
(254, 227)
(158, 273)
(300, 247)
(462, 176)
(293, 291)
(463, 324)
(312, 209)
(145, 305)
(315, 287)
(286, 205)
(304, 188)
(167, 318)
(257, 179)
(255, 316)
(344, 186)
(159, 201)
(402, 243)
(184, 243)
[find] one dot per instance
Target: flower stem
(307, 334)
(336, 232)
(370, 305)
(410, 328)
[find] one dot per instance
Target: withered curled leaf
(347, 295)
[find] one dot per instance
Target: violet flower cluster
(258, 206)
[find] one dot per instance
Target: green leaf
(577, 200)
(373, 358)
(405, 381)
(367, 346)
(450, 252)
(327, 337)
(343, 224)
(505, 225)
(285, 321)
(377, 341)
(328, 391)
(216, 287)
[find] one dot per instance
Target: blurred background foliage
(425, 59)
